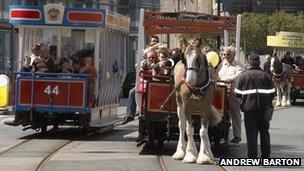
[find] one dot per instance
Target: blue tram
(42, 99)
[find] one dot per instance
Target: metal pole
(96, 60)
(59, 43)
(226, 38)
(238, 37)
(20, 47)
(140, 48)
(218, 14)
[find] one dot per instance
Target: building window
(9, 2)
(32, 2)
(181, 6)
(1, 7)
(80, 4)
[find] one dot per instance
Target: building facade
(198, 6)
(6, 38)
(132, 8)
(263, 6)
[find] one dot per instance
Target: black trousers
(255, 123)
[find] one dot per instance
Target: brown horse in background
(195, 80)
(282, 75)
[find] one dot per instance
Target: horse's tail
(215, 116)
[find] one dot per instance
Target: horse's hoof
(284, 104)
(189, 158)
(179, 155)
(204, 159)
(278, 104)
(288, 103)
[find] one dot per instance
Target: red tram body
(58, 93)
(43, 99)
(297, 91)
(158, 125)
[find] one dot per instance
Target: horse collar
(200, 89)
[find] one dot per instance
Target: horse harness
(197, 92)
(278, 77)
(199, 89)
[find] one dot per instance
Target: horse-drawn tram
(288, 78)
(84, 88)
(165, 103)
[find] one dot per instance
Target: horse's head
(195, 62)
(276, 66)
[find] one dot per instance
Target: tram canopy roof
(186, 22)
(58, 15)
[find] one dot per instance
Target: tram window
(53, 51)
(75, 42)
(50, 35)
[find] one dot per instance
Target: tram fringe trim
(260, 162)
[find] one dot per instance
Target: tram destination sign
(185, 22)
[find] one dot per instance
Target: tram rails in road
(44, 148)
(161, 163)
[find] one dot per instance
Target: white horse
(282, 75)
(195, 94)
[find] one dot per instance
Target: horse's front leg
(284, 92)
(288, 103)
(205, 155)
(191, 151)
(181, 146)
(279, 96)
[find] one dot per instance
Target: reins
(172, 92)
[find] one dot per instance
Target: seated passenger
(64, 66)
(76, 66)
(299, 61)
(163, 67)
(45, 63)
(150, 59)
(25, 64)
(146, 65)
(287, 59)
(176, 56)
(36, 52)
